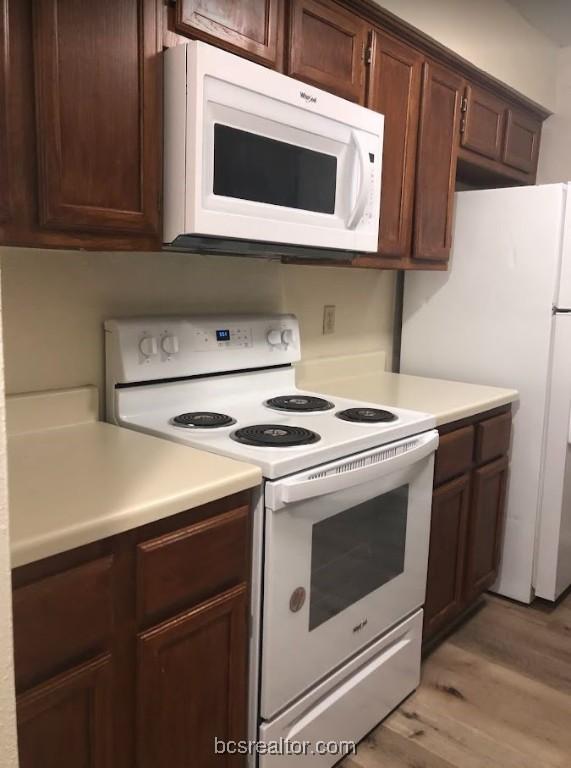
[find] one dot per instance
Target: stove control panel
(145, 349)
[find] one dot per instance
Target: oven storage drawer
(347, 705)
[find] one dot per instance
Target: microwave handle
(365, 181)
(290, 491)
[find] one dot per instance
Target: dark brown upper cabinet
(327, 47)
(253, 28)
(436, 162)
(4, 180)
(394, 90)
(521, 146)
(84, 138)
(483, 119)
(97, 116)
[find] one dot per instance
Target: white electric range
(341, 525)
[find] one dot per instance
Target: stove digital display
(223, 335)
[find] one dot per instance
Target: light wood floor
(496, 694)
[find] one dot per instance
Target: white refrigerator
(501, 315)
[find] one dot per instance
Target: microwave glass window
(355, 552)
(252, 167)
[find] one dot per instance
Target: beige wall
(555, 152)
(55, 303)
(8, 749)
(493, 36)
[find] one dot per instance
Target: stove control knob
(287, 336)
(274, 338)
(148, 346)
(169, 345)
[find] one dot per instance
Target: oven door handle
(365, 182)
(352, 471)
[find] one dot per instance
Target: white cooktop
(242, 396)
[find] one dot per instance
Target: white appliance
(257, 162)
(341, 528)
(501, 315)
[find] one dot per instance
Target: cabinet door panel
(484, 119)
(394, 90)
(485, 527)
(74, 610)
(67, 722)
(521, 147)
(436, 162)
(4, 177)
(444, 585)
(98, 111)
(184, 568)
(250, 27)
(327, 47)
(192, 684)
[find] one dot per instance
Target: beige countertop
(362, 377)
(73, 479)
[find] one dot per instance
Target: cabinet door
(251, 27)
(394, 90)
(444, 585)
(192, 684)
(4, 181)
(67, 722)
(485, 527)
(436, 162)
(483, 123)
(521, 147)
(327, 48)
(98, 115)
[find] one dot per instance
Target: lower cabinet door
(444, 585)
(192, 685)
(485, 527)
(67, 722)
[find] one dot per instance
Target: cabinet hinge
(368, 54)
(462, 124)
(464, 104)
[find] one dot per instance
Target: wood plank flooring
(495, 694)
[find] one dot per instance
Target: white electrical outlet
(328, 318)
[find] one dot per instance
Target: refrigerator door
(488, 320)
(553, 556)
(563, 297)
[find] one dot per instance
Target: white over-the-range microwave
(259, 163)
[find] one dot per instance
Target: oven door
(346, 553)
(271, 166)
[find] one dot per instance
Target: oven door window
(252, 167)
(355, 552)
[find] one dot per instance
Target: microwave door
(285, 176)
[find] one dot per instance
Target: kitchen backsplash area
(55, 302)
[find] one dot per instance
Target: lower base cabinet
(468, 510)
(444, 593)
(192, 682)
(149, 665)
(68, 721)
